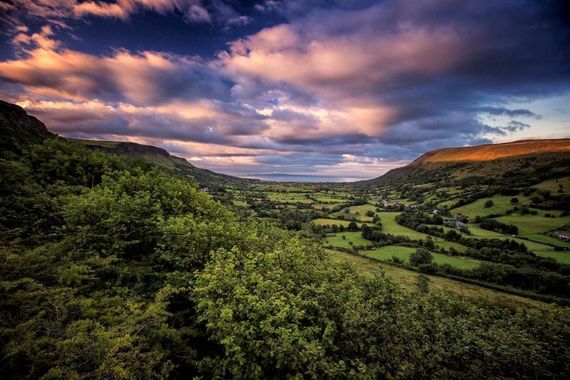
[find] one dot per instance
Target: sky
(302, 89)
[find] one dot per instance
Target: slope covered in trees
(111, 268)
(161, 157)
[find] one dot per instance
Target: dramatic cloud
(144, 78)
(196, 11)
(345, 88)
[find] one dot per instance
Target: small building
(562, 235)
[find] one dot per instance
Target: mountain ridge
(489, 152)
(19, 129)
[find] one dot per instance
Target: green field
(356, 212)
(534, 224)
(329, 198)
(240, 203)
(533, 227)
(390, 226)
(403, 253)
(562, 257)
(289, 197)
(555, 186)
(502, 203)
(408, 280)
(328, 221)
(482, 233)
(350, 237)
(549, 240)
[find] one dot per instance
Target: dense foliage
(111, 269)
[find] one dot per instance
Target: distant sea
(278, 177)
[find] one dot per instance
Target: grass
(450, 244)
(240, 203)
(408, 280)
(554, 185)
(289, 197)
(533, 227)
(482, 233)
(562, 257)
(356, 212)
(502, 203)
(534, 224)
(549, 240)
(390, 226)
(404, 253)
(325, 221)
(350, 237)
(329, 198)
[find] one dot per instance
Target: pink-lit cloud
(356, 88)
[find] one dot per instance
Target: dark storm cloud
(499, 111)
(515, 126)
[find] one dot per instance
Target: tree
(489, 203)
(352, 226)
(420, 257)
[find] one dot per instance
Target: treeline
(495, 225)
(111, 269)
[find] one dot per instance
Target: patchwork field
(329, 221)
(408, 280)
(322, 206)
(356, 212)
(289, 197)
(501, 203)
(535, 224)
(404, 253)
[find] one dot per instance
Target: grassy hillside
(535, 160)
(494, 151)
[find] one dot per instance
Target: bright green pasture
(482, 233)
(549, 240)
(350, 237)
(404, 253)
(325, 221)
(240, 203)
(329, 198)
(560, 256)
(356, 212)
(390, 226)
(502, 203)
(534, 224)
(289, 197)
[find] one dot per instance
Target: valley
(151, 260)
(467, 223)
